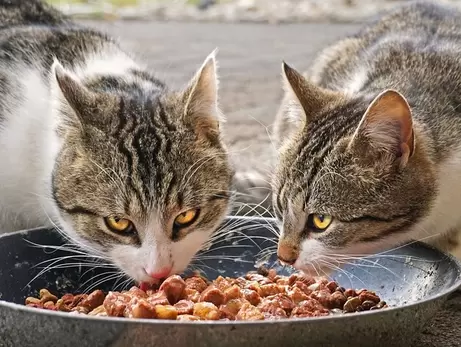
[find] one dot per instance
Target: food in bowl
(261, 295)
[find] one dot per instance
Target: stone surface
(250, 57)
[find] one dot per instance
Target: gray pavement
(250, 57)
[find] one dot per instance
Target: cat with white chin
(91, 141)
(370, 142)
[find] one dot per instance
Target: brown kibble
(158, 298)
(232, 307)
(196, 283)
(187, 318)
(261, 296)
(272, 305)
(270, 289)
(303, 286)
(206, 311)
(116, 303)
(173, 287)
(213, 295)
(368, 296)
(49, 305)
(32, 300)
(233, 292)
(143, 309)
(249, 312)
(166, 312)
(314, 286)
(309, 308)
(367, 305)
(222, 283)
(381, 304)
(80, 309)
(45, 296)
(285, 302)
(336, 300)
(239, 281)
(283, 281)
(272, 273)
(77, 299)
(184, 307)
(359, 291)
(349, 293)
(255, 286)
(252, 296)
(352, 304)
(191, 295)
(98, 311)
(258, 278)
(308, 280)
(136, 291)
(61, 306)
(68, 299)
(297, 295)
(332, 285)
(322, 296)
(93, 300)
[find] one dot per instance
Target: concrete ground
(250, 57)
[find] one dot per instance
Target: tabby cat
(92, 142)
(370, 141)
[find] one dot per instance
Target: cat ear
(387, 126)
(201, 97)
(87, 106)
(74, 92)
(305, 94)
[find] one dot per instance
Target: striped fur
(381, 188)
(87, 132)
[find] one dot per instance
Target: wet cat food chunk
(173, 287)
(260, 295)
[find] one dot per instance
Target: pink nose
(162, 273)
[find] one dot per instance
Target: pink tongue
(149, 285)
(144, 286)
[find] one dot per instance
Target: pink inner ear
(388, 124)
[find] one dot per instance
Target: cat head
(142, 176)
(353, 176)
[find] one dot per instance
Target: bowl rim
(136, 321)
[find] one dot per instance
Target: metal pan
(414, 279)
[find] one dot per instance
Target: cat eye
(186, 218)
(119, 225)
(319, 222)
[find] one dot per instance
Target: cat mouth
(145, 286)
(311, 269)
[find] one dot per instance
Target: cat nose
(160, 274)
(286, 253)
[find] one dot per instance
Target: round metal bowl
(415, 280)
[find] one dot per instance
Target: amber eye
(319, 222)
(186, 218)
(119, 225)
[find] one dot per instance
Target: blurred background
(272, 11)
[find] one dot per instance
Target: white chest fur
(445, 215)
(28, 145)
